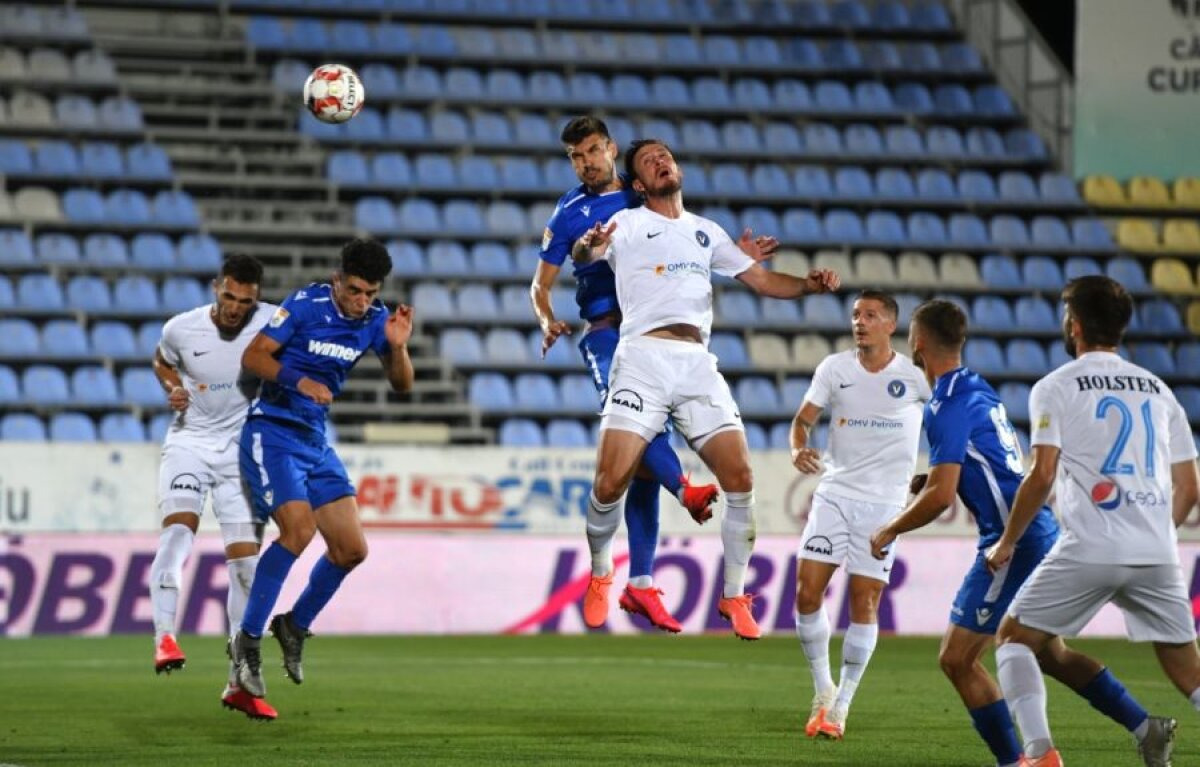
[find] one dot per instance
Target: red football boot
(698, 500)
(167, 656)
(646, 602)
(237, 699)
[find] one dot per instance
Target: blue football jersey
(320, 343)
(577, 211)
(966, 424)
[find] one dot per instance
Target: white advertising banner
(434, 583)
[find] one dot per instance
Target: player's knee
(808, 599)
(296, 536)
(350, 557)
(738, 480)
(607, 487)
(954, 662)
(864, 606)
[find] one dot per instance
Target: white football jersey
(211, 369)
(663, 268)
(874, 425)
(1118, 428)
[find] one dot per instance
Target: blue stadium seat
(158, 426)
(1015, 397)
(720, 49)
(461, 346)
(462, 217)
(577, 392)
(548, 85)
(736, 307)
(921, 57)
(417, 214)
(1153, 356)
(95, 385)
(1049, 231)
(1079, 266)
(408, 258)
(1057, 354)
(822, 139)
(536, 392)
(435, 170)
(791, 94)
(121, 427)
(992, 101)
(1189, 397)
(19, 338)
(885, 228)
(391, 169)
(179, 294)
(119, 113)
(22, 427)
(758, 220)
(516, 173)
(780, 436)
(39, 292)
(533, 130)
(45, 385)
(1008, 231)
(1128, 272)
(699, 136)
(801, 225)
(347, 167)
(832, 96)
(1024, 143)
(757, 395)
(521, 432)
(903, 141)
(976, 185)
(477, 300)
(935, 184)
(135, 294)
(56, 158)
(952, 100)
(57, 249)
(104, 250)
(926, 229)
(781, 138)
(1042, 274)
(894, 184)
(1187, 360)
(8, 298)
(1091, 233)
(984, 142)
(991, 313)
(130, 207)
(514, 303)
(505, 218)
(1035, 314)
(873, 97)
(88, 293)
(966, 229)
(140, 387)
(731, 179)
(561, 432)
(1160, 316)
(944, 142)
(1026, 357)
(747, 92)
(825, 312)
(1017, 187)
(813, 181)
(116, 340)
(505, 346)
(669, 90)
(199, 252)
(767, 180)
(10, 386)
(983, 355)
(853, 182)
(1057, 187)
(15, 157)
(729, 349)
(64, 338)
(960, 58)
(83, 205)
(266, 32)
(913, 98)
(77, 111)
(841, 225)
(863, 139)
(147, 161)
(433, 300)
(391, 38)
(489, 259)
(741, 136)
(409, 125)
(375, 214)
(490, 392)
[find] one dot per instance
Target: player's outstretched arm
(1031, 497)
(539, 295)
(806, 459)
(761, 248)
(168, 378)
(397, 365)
(940, 488)
(1185, 490)
(259, 360)
(593, 243)
(779, 285)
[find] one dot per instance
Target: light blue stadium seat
(116, 340)
(1015, 397)
(375, 214)
(853, 182)
(140, 387)
(825, 312)
(15, 157)
(1126, 271)
(77, 111)
(8, 298)
(801, 225)
(944, 142)
(1160, 316)
(952, 100)
(130, 207)
(1049, 231)
(121, 427)
(391, 38)
(863, 139)
(758, 220)
(560, 356)
(1057, 187)
(1187, 360)
(409, 125)
(633, 91)
(417, 214)
(10, 386)
(1079, 266)
(731, 179)
(781, 138)
(913, 98)
(477, 300)
(984, 356)
(1008, 231)
(433, 300)
(558, 174)
(94, 384)
(1091, 233)
(491, 392)
(992, 313)
(88, 293)
(977, 185)
(660, 129)
(368, 126)
(872, 97)
(490, 259)
(199, 252)
(448, 259)
(736, 307)
(1057, 354)
(699, 136)
(1153, 356)
(57, 248)
(505, 218)
(408, 259)
(757, 395)
(119, 113)
(1026, 357)
(722, 216)
(521, 432)
(505, 346)
(105, 250)
(984, 142)
(885, 228)
(158, 426)
(421, 81)
(179, 294)
(741, 136)
(347, 167)
(729, 349)
(1034, 313)
(514, 302)
(45, 385)
(266, 32)
(822, 139)
(562, 432)
(966, 229)
(520, 173)
(781, 313)
(461, 346)
(22, 427)
(391, 169)
(780, 436)
(813, 181)
(491, 128)
(832, 96)
(56, 158)
(135, 294)
(842, 225)
(39, 292)
(463, 217)
(669, 90)
(533, 130)
(577, 392)
(1189, 397)
(548, 85)
(64, 338)
(83, 205)
(748, 92)
(536, 392)
(15, 247)
(903, 141)
(435, 170)
(19, 338)
(768, 180)
(1042, 274)
(792, 392)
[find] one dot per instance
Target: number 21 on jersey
(1113, 465)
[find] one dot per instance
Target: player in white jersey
(663, 257)
(1113, 443)
(199, 364)
(876, 398)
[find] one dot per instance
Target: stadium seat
(1034, 314)
(135, 294)
(992, 314)
(915, 269)
(984, 356)
(903, 142)
(1181, 235)
(64, 338)
(808, 350)
(729, 349)
(56, 158)
(1161, 316)
(505, 346)
(1015, 397)
(825, 311)
(19, 338)
(1026, 357)
(1148, 192)
(521, 432)
(757, 395)
(45, 385)
(88, 293)
(15, 156)
(84, 205)
(967, 230)
(536, 392)
(577, 393)
(22, 427)
(1189, 397)
(179, 294)
(874, 267)
(1104, 192)
(1089, 233)
(959, 270)
(894, 184)
(1153, 356)
(1171, 275)
(1000, 272)
(57, 249)
(926, 230)
(95, 385)
(476, 301)
(1042, 274)
(105, 250)
(490, 392)
(1009, 231)
(563, 432)
(121, 427)
(769, 351)
(1187, 360)
(114, 340)
(812, 181)
(1137, 234)
(935, 184)
(199, 252)
(39, 293)
(1126, 271)
(10, 386)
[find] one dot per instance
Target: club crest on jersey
(1106, 495)
(547, 236)
(279, 317)
(702, 238)
(586, 210)
(896, 388)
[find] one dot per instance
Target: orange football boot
(736, 610)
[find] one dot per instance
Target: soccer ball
(334, 93)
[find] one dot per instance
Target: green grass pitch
(530, 700)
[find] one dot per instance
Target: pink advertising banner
(431, 583)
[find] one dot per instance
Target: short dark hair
(245, 269)
(1102, 307)
(367, 259)
(886, 299)
(632, 152)
(944, 321)
(581, 127)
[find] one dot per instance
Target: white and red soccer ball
(334, 93)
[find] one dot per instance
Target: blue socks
(323, 583)
(660, 460)
(1108, 696)
(994, 724)
(272, 571)
(641, 520)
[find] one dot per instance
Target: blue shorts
(984, 596)
(597, 348)
(282, 463)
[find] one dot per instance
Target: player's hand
(315, 391)
(917, 483)
(597, 238)
(999, 555)
(551, 333)
(760, 248)
(807, 460)
(398, 328)
(881, 541)
(178, 398)
(822, 281)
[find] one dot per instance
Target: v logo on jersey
(934, 406)
(586, 210)
(982, 615)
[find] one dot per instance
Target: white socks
(737, 535)
(813, 631)
(857, 648)
(602, 526)
(241, 575)
(166, 573)
(1025, 690)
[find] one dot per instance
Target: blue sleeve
(948, 430)
(556, 240)
(287, 318)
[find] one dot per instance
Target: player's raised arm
(397, 365)
(539, 295)
(259, 359)
(779, 285)
(941, 485)
(168, 377)
(593, 244)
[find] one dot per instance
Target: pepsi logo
(1106, 495)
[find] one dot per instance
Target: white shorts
(189, 474)
(1061, 596)
(653, 378)
(839, 529)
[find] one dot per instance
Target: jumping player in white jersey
(663, 257)
(875, 397)
(1113, 443)
(199, 364)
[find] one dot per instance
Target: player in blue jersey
(601, 193)
(294, 476)
(974, 454)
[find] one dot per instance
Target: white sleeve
(168, 345)
(727, 258)
(1045, 415)
(819, 391)
(1179, 445)
(924, 393)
